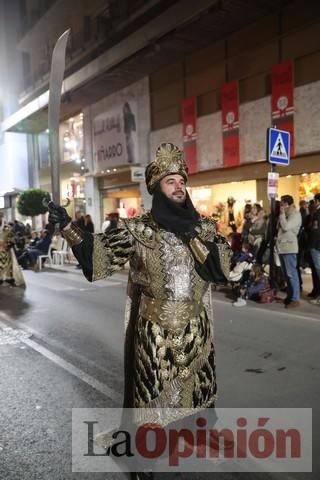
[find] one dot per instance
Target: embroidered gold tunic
(169, 350)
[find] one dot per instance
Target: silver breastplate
(178, 264)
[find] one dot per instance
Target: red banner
(230, 124)
(189, 122)
(282, 105)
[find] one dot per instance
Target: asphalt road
(66, 351)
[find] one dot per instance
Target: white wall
(13, 162)
(255, 118)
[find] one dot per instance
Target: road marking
(75, 371)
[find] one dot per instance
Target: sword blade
(55, 85)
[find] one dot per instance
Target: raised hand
(58, 215)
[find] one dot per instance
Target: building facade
(130, 66)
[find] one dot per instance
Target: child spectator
(250, 289)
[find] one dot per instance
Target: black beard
(171, 215)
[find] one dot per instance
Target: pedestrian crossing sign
(278, 146)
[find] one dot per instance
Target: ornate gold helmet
(169, 159)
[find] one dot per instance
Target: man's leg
(315, 254)
(290, 261)
(289, 286)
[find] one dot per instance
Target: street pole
(272, 271)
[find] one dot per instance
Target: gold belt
(170, 314)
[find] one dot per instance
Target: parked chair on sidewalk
(44, 258)
(58, 255)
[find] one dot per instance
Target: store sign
(282, 105)
(230, 124)
(273, 184)
(115, 136)
(189, 123)
(137, 174)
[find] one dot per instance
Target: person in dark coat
(88, 224)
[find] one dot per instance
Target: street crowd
(295, 250)
(293, 235)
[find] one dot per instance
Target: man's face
(284, 206)
(316, 202)
(174, 187)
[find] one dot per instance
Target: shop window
(309, 185)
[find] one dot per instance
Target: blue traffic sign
(278, 146)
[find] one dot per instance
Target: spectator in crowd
(315, 241)
(287, 244)
(79, 219)
(315, 292)
(2, 222)
(88, 224)
(247, 222)
(18, 227)
(79, 222)
(41, 247)
(106, 223)
(34, 238)
(114, 219)
(27, 230)
(303, 208)
(241, 265)
(258, 228)
(235, 239)
(252, 287)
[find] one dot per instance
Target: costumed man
(10, 271)
(174, 254)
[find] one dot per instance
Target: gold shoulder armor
(208, 229)
(142, 228)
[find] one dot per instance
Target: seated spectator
(241, 264)
(41, 247)
(18, 227)
(34, 238)
(251, 288)
(245, 255)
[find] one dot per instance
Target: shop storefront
(116, 133)
(73, 163)
(211, 197)
(118, 194)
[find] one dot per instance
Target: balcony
(81, 46)
(108, 25)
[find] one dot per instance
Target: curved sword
(55, 85)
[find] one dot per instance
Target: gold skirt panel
(174, 369)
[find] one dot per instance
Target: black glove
(58, 215)
(186, 237)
